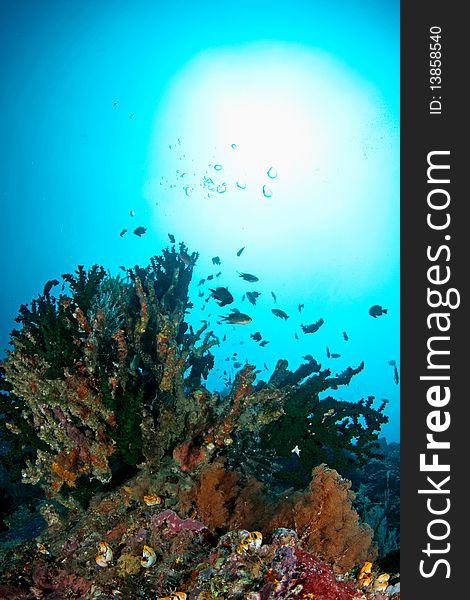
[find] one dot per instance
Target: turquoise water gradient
(105, 105)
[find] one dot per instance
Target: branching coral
(108, 377)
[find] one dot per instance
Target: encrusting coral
(109, 407)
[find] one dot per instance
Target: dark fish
(376, 310)
(222, 295)
(396, 379)
(300, 307)
(249, 277)
(201, 282)
(216, 260)
(237, 365)
(296, 336)
(345, 335)
(252, 296)
(140, 231)
(184, 257)
(274, 296)
(308, 357)
(200, 293)
(264, 342)
(393, 364)
(279, 313)
(172, 238)
(236, 318)
(210, 277)
(328, 353)
(218, 274)
(265, 366)
(313, 327)
(123, 232)
(240, 251)
(49, 285)
(335, 355)
(243, 297)
(122, 267)
(224, 339)
(256, 336)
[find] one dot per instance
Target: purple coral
(174, 524)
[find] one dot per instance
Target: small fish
(224, 339)
(376, 310)
(265, 366)
(123, 232)
(279, 313)
(313, 327)
(237, 365)
(335, 355)
(122, 267)
(264, 343)
(140, 231)
(172, 238)
(240, 251)
(132, 213)
(201, 282)
(210, 277)
(393, 364)
(216, 260)
(274, 296)
(308, 357)
(252, 297)
(222, 295)
(249, 277)
(300, 307)
(243, 297)
(49, 285)
(345, 336)
(218, 274)
(236, 318)
(200, 294)
(184, 257)
(328, 353)
(296, 336)
(256, 336)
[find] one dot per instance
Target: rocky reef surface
(147, 484)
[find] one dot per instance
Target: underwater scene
(200, 316)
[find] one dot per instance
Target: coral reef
(150, 479)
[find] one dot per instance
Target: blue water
(113, 107)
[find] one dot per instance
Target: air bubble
(267, 193)
(272, 173)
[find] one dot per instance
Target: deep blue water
(113, 107)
